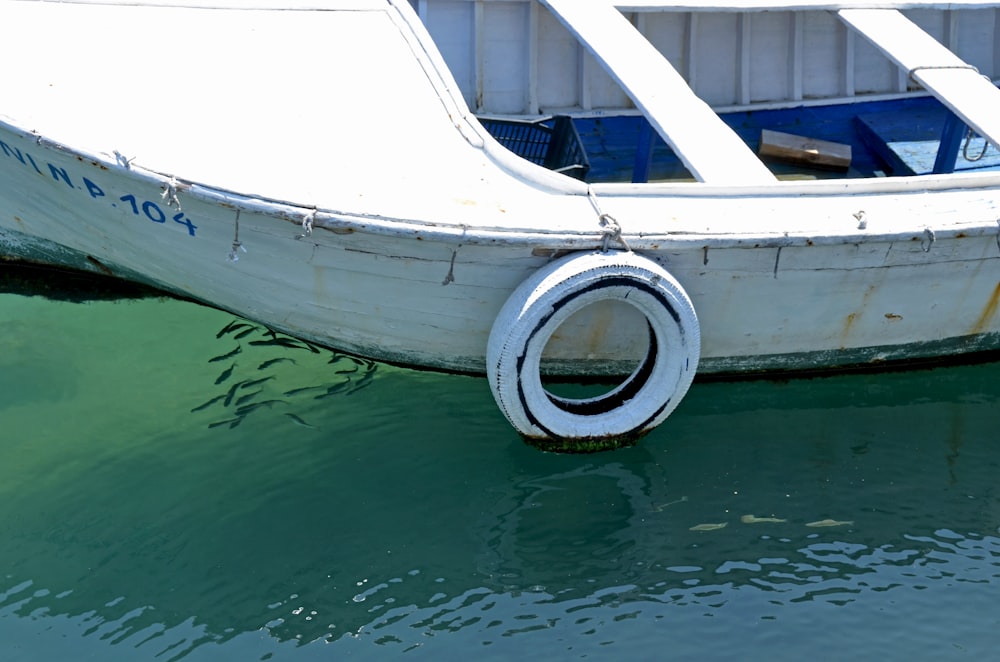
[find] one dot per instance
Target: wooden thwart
(804, 151)
(710, 150)
(957, 84)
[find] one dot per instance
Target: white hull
(407, 255)
(806, 299)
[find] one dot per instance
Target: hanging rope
(933, 67)
(237, 246)
(611, 230)
(307, 225)
(928, 240)
(120, 158)
(170, 193)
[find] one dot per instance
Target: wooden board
(709, 149)
(804, 151)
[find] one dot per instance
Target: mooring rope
(611, 230)
(307, 224)
(170, 193)
(237, 246)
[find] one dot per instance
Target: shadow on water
(56, 284)
(854, 515)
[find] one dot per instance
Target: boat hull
(428, 296)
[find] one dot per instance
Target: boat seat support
(951, 140)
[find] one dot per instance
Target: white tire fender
(550, 296)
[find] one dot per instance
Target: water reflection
(407, 516)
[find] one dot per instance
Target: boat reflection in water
(846, 515)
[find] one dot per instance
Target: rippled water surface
(282, 503)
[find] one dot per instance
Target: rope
(450, 276)
(307, 225)
(237, 246)
(927, 241)
(612, 231)
(122, 160)
(610, 228)
(170, 193)
(932, 67)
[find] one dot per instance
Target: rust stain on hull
(852, 317)
(848, 323)
(988, 311)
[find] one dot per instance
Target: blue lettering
(185, 221)
(23, 157)
(150, 210)
(33, 164)
(60, 173)
(94, 189)
(153, 212)
(12, 151)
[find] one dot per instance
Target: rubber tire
(551, 295)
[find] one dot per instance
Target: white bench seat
(710, 150)
(957, 84)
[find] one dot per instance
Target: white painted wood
(954, 82)
(796, 47)
(451, 25)
(744, 49)
(973, 38)
(691, 47)
(479, 57)
(559, 76)
(772, 60)
(794, 5)
(709, 149)
(708, 56)
(532, 73)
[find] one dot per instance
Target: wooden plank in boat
(804, 150)
(710, 150)
(957, 84)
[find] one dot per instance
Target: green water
(373, 511)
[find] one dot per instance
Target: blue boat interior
(887, 138)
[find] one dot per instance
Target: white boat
(522, 188)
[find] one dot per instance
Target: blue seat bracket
(951, 139)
